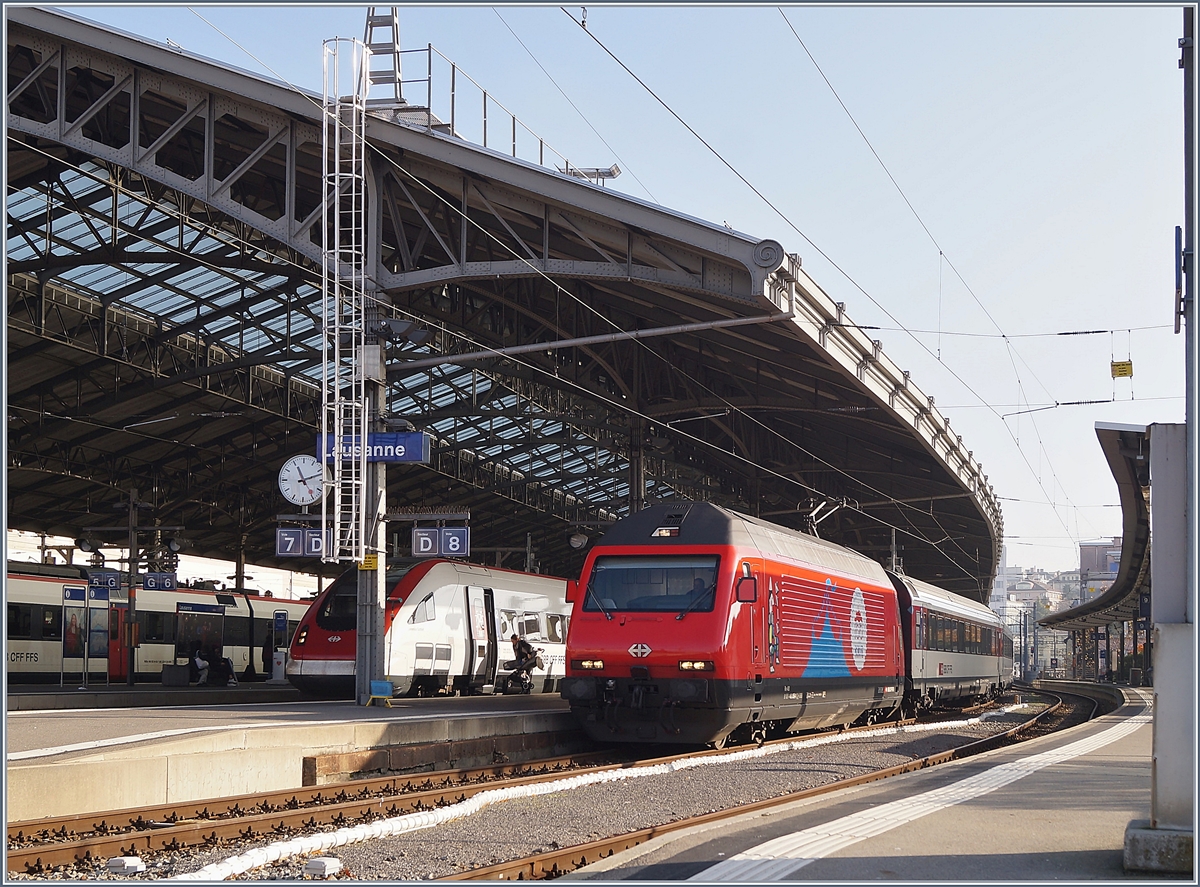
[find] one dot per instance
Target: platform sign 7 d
(299, 542)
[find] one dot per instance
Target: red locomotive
(692, 623)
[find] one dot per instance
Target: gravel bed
(522, 827)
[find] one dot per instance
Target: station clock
(302, 480)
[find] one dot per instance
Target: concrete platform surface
(1054, 808)
(84, 760)
(44, 697)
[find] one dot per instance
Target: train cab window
(51, 623)
(652, 584)
(425, 611)
(339, 612)
(556, 628)
(20, 622)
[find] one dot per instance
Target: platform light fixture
(578, 540)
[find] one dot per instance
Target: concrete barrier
(240, 761)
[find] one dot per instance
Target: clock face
(302, 480)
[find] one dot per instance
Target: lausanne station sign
(399, 446)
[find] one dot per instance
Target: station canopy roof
(1127, 449)
(165, 331)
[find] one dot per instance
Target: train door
(118, 644)
(482, 660)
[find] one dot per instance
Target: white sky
(1040, 146)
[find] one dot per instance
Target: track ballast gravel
(522, 827)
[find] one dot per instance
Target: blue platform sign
(159, 582)
(109, 579)
(455, 541)
(425, 542)
(74, 594)
(441, 541)
(398, 446)
(314, 542)
(280, 617)
(289, 542)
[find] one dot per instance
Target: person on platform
(523, 652)
(202, 666)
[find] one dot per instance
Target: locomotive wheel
(719, 744)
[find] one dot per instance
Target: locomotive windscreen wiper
(596, 598)
(696, 601)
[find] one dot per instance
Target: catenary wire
(621, 406)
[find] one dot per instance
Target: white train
(53, 621)
(957, 648)
(448, 630)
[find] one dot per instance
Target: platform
(48, 697)
(1053, 808)
(85, 759)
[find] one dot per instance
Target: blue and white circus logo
(858, 629)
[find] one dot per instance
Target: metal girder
(163, 250)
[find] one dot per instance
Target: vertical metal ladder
(384, 64)
(343, 292)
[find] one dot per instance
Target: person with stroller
(525, 660)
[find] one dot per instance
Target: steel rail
(38, 846)
(66, 840)
(554, 863)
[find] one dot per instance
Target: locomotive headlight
(302, 636)
(587, 664)
(696, 665)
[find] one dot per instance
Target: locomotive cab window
(340, 610)
(425, 611)
(652, 584)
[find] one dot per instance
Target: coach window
(556, 628)
(159, 628)
(530, 629)
(51, 623)
(20, 622)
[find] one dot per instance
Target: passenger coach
(53, 629)
(448, 628)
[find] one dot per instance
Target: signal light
(696, 665)
(302, 636)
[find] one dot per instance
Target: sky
(971, 180)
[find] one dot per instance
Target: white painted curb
(411, 822)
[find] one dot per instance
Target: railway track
(44, 847)
(553, 864)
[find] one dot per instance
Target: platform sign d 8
(441, 541)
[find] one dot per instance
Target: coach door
(118, 645)
(482, 661)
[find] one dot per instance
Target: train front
(648, 649)
(321, 655)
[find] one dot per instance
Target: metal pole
(131, 612)
(1187, 62)
(677, 329)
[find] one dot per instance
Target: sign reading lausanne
(399, 446)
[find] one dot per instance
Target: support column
(1164, 842)
(370, 654)
(131, 612)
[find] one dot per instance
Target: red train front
(692, 623)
